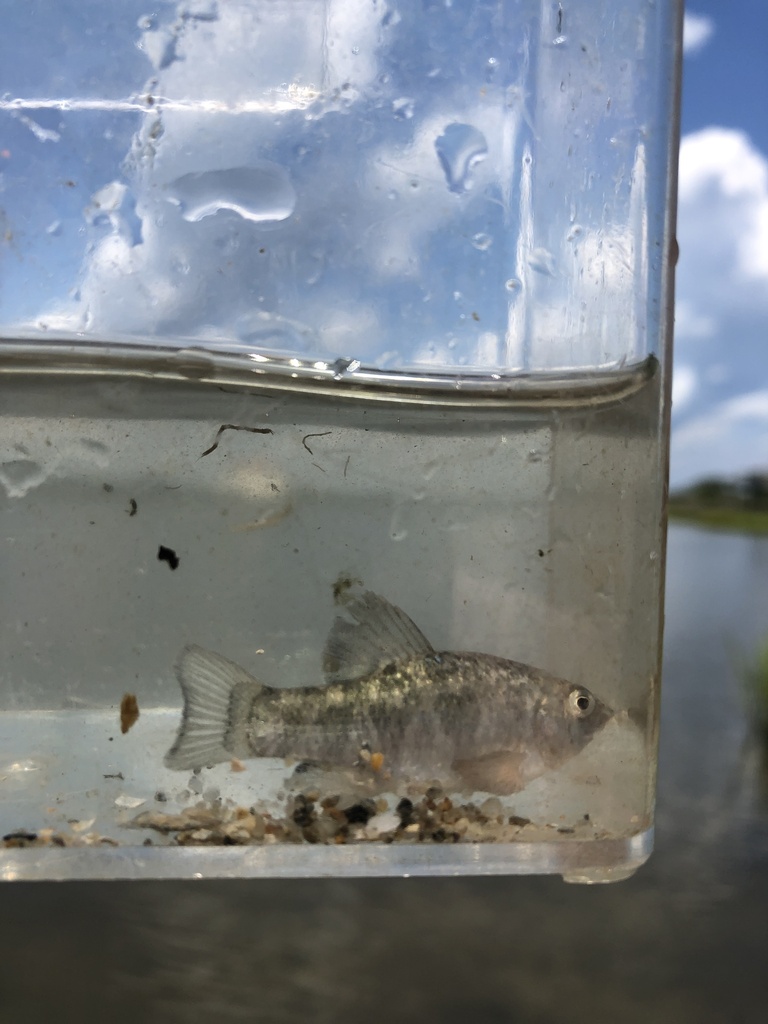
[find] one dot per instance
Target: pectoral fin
(500, 772)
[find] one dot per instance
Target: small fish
(494, 723)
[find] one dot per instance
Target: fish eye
(582, 703)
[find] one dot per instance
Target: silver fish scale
(439, 707)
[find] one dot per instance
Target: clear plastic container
(334, 413)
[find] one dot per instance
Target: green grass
(743, 520)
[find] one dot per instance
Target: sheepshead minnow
(495, 723)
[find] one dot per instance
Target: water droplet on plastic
(261, 331)
(261, 192)
(460, 148)
(403, 108)
(482, 241)
(576, 231)
(159, 46)
(542, 261)
(343, 367)
(513, 284)
(96, 448)
(397, 531)
(201, 10)
(20, 476)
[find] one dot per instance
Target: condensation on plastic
(452, 187)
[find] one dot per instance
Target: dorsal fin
(379, 635)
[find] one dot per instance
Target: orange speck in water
(129, 712)
(377, 760)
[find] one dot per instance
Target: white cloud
(725, 156)
(752, 406)
(723, 212)
(684, 382)
(697, 31)
(722, 307)
(692, 324)
(729, 440)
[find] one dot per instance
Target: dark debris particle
(324, 433)
(108, 488)
(515, 819)
(303, 813)
(168, 555)
(21, 835)
(404, 810)
(341, 587)
(360, 814)
(160, 796)
(114, 775)
(133, 507)
(566, 830)
(234, 426)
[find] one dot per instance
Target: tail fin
(216, 695)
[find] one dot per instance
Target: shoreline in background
(739, 505)
(735, 520)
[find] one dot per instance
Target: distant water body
(716, 617)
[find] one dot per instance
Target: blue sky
(720, 408)
(107, 203)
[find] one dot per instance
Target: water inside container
(144, 516)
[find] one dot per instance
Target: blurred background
(685, 940)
